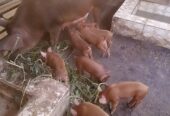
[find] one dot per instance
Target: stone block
(129, 22)
(49, 98)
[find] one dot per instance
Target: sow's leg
(54, 35)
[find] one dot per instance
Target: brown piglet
(93, 38)
(79, 43)
(96, 70)
(112, 93)
(104, 33)
(57, 64)
(87, 109)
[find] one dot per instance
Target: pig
(104, 33)
(79, 43)
(103, 15)
(87, 109)
(57, 64)
(36, 18)
(96, 70)
(113, 93)
(94, 38)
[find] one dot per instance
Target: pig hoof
(112, 113)
(108, 55)
(104, 55)
(130, 106)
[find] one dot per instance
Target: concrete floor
(133, 60)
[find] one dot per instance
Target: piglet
(135, 90)
(96, 70)
(57, 64)
(93, 38)
(103, 33)
(87, 109)
(79, 43)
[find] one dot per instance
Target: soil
(133, 60)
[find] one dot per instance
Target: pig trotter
(114, 105)
(108, 52)
(132, 103)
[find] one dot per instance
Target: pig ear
(99, 89)
(49, 49)
(73, 112)
(102, 100)
(76, 102)
(43, 54)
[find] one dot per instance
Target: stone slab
(49, 98)
(154, 29)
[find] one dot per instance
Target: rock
(143, 20)
(49, 98)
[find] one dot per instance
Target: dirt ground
(133, 60)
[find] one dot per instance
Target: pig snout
(64, 79)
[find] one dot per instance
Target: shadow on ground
(133, 60)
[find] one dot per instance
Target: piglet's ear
(73, 112)
(102, 100)
(76, 102)
(49, 49)
(99, 89)
(43, 54)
